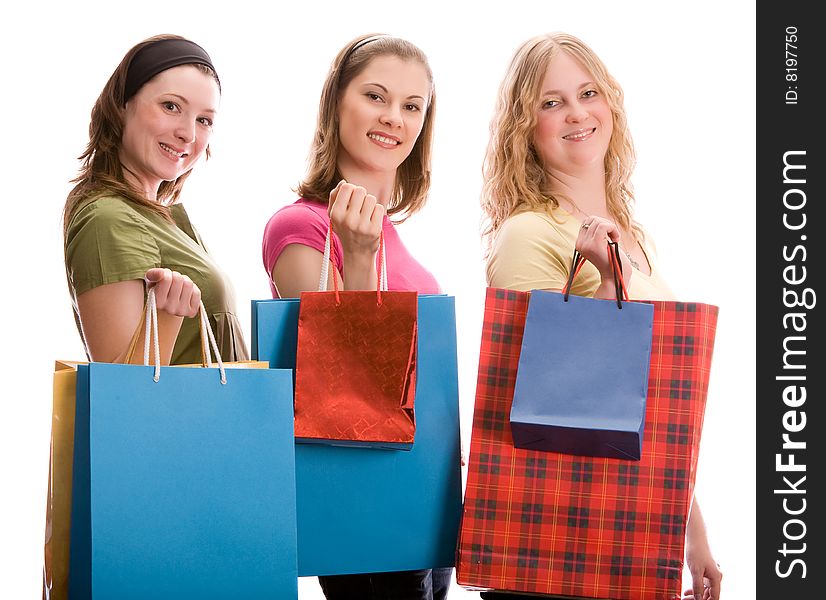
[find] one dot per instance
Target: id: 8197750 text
(791, 65)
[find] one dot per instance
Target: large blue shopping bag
(183, 487)
(582, 380)
(373, 510)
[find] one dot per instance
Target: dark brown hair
(101, 170)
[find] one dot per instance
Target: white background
(688, 73)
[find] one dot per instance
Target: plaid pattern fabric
(549, 523)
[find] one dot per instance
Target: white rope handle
(325, 265)
(207, 338)
(151, 326)
(383, 279)
(205, 326)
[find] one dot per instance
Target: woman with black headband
(124, 228)
(369, 162)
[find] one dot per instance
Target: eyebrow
(386, 91)
(185, 101)
(557, 92)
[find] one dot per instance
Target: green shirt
(111, 239)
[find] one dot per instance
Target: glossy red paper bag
(356, 368)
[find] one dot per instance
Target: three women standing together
(557, 176)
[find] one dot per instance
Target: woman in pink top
(370, 163)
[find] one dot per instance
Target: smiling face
(574, 122)
(167, 127)
(380, 115)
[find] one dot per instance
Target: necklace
(634, 263)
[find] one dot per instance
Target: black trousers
(425, 584)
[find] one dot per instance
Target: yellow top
(533, 250)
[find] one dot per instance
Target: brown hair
(514, 178)
(101, 170)
(413, 175)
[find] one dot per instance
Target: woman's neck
(378, 184)
(578, 194)
(145, 189)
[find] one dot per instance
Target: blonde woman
(557, 176)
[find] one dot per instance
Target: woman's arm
(700, 562)
(357, 220)
(298, 269)
(110, 313)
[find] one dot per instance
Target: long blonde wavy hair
(413, 175)
(514, 178)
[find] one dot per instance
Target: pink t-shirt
(306, 222)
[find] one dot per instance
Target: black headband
(159, 56)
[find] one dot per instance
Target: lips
(384, 140)
(579, 134)
(170, 150)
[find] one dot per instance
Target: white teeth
(171, 151)
(579, 135)
(382, 139)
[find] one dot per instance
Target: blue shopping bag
(371, 510)
(183, 487)
(583, 376)
(582, 380)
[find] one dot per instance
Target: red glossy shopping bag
(551, 523)
(356, 365)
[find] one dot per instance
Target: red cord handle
(616, 268)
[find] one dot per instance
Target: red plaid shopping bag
(549, 523)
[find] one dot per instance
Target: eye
(170, 106)
(412, 107)
(589, 93)
(550, 103)
(205, 121)
(374, 96)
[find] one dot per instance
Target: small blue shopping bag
(582, 380)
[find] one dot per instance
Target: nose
(576, 112)
(185, 132)
(392, 116)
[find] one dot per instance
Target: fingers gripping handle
(381, 271)
(616, 269)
